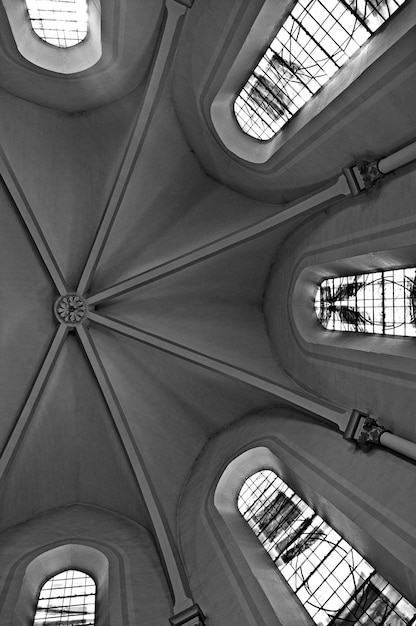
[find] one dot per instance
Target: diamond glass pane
(331, 579)
(61, 23)
(67, 599)
(382, 302)
(315, 40)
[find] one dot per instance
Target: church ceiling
(132, 329)
(132, 285)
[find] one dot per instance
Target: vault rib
(156, 84)
(336, 415)
(19, 431)
(167, 547)
(12, 183)
(336, 191)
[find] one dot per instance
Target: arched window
(314, 41)
(382, 302)
(61, 23)
(334, 583)
(47, 32)
(67, 598)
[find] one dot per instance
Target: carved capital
(363, 176)
(363, 429)
(370, 432)
(190, 617)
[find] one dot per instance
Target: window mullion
(315, 41)
(356, 15)
(334, 547)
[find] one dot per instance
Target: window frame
(47, 564)
(62, 571)
(39, 28)
(283, 604)
(367, 524)
(46, 56)
(312, 331)
(354, 308)
(309, 85)
(345, 546)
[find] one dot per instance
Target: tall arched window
(62, 23)
(48, 32)
(334, 583)
(382, 302)
(67, 598)
(314, 41)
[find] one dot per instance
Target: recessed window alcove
(398, 336)
(235, 497)
(314, 41)
(54, 38)
(333, 101)
(58, 570)
(335, 584)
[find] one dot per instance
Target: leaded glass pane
(67, 599)
(62, 23)
(381, 302)
(331, 579)
(315, 40)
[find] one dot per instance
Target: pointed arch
(52, 571)
(358, 494)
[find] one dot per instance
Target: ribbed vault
(111, 203)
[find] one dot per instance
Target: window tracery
(314, 41)
(67, 599)
(333, 581)
(61, 23)
(381, 302)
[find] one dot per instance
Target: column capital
(363, 176)
(363, 429)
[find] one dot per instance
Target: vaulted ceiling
(114, 187)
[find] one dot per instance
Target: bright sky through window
(61, 23)
(378, 302)
(315, 40)
(334, 583)
(67, 599)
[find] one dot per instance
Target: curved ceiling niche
(64, 60)
(224, 116)
(114, 58)
(342, 122)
